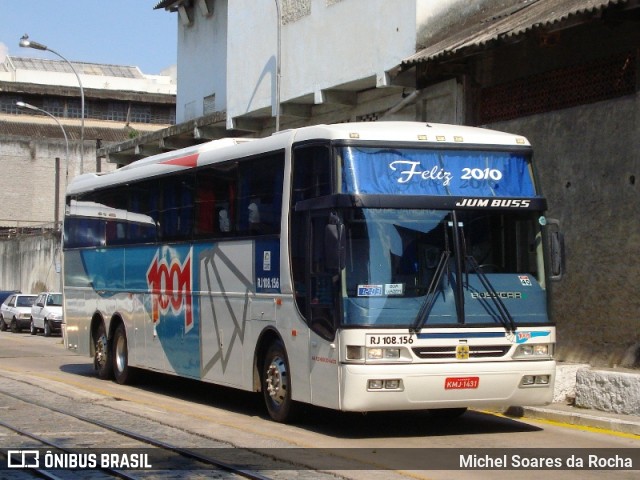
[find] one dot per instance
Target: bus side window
(177, 207)
(84, 232)
(205, 204)
(142, 215)
(215, 200)
(260, 182)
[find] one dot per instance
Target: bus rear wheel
(276, 384)
(102, 355)
(121, 369)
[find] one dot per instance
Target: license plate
(461, 383)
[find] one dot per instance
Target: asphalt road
(388, 445)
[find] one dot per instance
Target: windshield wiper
(430, 299)
(504, 316)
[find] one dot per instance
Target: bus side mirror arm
(556, 250)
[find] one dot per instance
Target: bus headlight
(534, 351)
(383, 353)
(361, 354)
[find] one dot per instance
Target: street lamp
(25, 42)
(66, 141)
(278, 66)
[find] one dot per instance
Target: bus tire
(102, 354)
(276, 384)
(120, 356)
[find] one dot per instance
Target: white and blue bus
(359, 267)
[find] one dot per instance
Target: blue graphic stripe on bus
(524, 337)
(441, 172)
(164, 278)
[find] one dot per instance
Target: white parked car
(46, 313)
(15, 312)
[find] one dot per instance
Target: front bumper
(432, 386)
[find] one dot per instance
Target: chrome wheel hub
(276, 380)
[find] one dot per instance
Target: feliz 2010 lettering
(411, 170)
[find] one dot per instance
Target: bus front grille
(475, 351)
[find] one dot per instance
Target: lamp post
(66, 141)
(278, 66)
(25, 42)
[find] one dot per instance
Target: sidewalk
(562, 413)
(589, 397)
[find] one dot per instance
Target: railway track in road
(81, 432)
(27, 432)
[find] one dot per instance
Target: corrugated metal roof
(166, 4)
(44, 65)
(41, 127)
(536, 14)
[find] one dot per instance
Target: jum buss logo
(170, 285)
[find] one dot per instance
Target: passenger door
(322, 314)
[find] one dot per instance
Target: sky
(117, 32)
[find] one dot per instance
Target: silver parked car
(46, 313)
(15, 312)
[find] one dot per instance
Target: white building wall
(202, 62)
(324, 44)
(31, 264)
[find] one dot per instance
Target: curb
(585, 418)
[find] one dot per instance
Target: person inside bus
(225, 224)
(255, 224)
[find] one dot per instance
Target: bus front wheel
(276, 383)
(102, 357)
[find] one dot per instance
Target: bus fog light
(542, 379)
(535, 380)
(375, 384)
(528, 380)
(355, 352)
(392, 384)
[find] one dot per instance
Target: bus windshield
(411, 171)
(396, 258)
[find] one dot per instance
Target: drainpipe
(402, 103)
